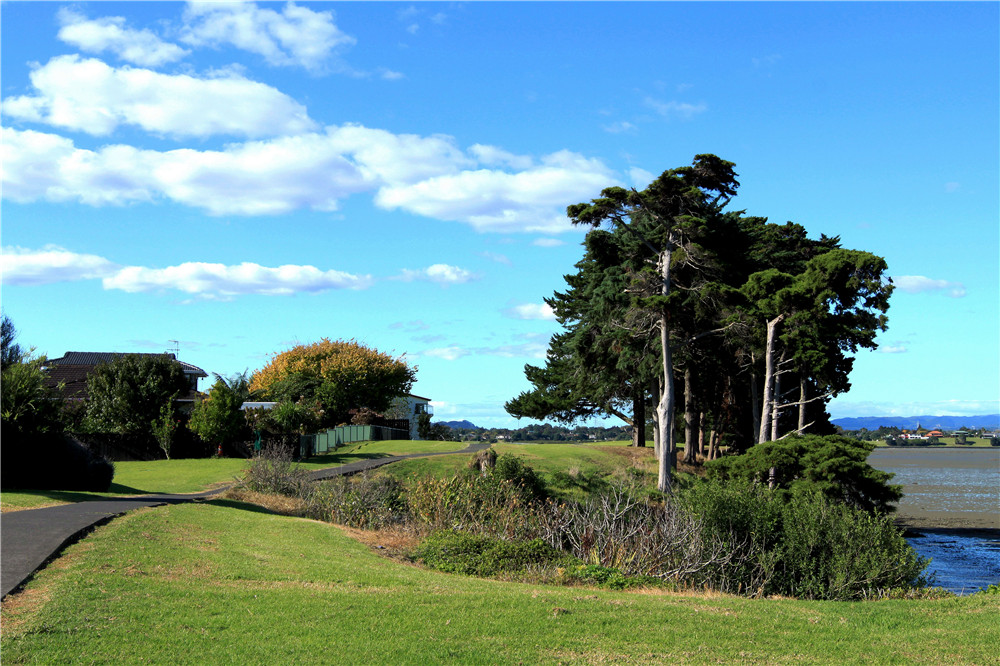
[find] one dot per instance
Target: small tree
(340, 375)
(128, 394)
(217, 420)
(164, 427)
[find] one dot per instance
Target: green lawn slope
(222, 582)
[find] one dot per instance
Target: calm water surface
(956, 488)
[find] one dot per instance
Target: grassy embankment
(195, 475)
(223, 582)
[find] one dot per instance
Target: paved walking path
(29, 539)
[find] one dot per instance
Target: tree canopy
(340, 375)
(674, 289)
(128, 394)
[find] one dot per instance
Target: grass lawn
(570, 469)
(222, 582)
(197, 474)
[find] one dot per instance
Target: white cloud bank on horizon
(426, 175)
(918, 284)
(840, 409)
(22, 267)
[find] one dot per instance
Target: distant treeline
(543, 432)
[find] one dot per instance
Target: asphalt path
(32, 538)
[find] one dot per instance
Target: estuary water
(952, 509)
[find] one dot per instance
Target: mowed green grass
(197, 474)
(570, 469)
(221, 582)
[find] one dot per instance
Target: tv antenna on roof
(174, 348)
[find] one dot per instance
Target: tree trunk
(713, 445)
(689, 446)
(665, 410)
(639, 417)
(775, 409)
(657, 445)
(803, 395)
(754, 400)
(769, 377)
(701, 434)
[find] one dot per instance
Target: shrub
(478, 555)
(53, 461)
(800, 543)
(833, 465)
(362, 501)
(271, 471)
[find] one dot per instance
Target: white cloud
(89, 96)
(620, 127)
(499, 258)
(295, 36)
(547, 242)
(140, 47)
(918, 284)
(640, 178)
(24, 267)
(843, 408)
(531, 311)
(673, 109)
(493, 156)
(426, 175)
(893, 349)
(219, 280)
(493, 200)
(441, 274)
(452, 353)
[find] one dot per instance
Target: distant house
(410, 407)
(68, 374)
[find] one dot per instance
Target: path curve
(32, 538)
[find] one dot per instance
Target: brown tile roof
(68, 373)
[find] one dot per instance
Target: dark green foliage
(833, 465)
(512, 470)
(217, 419)
(10, 351)
(477, 555)
(362, 501)
(127, 394)
(610, 577)
(27, 406)
(802, 544)
(53, 461)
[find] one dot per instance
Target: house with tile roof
(68, 374)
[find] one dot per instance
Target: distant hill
(991, 421)
(459, 425)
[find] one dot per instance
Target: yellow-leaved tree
(340, 375)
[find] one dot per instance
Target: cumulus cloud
(140, 47)
(426, 175)
(495, 200)
(531, 311)
(441, 274)
(219, 280)
(295, 36)
(918, 284)
(87, 95)
(24, 267)
(547, 242)
(674, 109)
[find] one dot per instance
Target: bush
(833, 465)
(271, 471)
(478, 555)
(800, 543)
(361, 501)
(53, 461)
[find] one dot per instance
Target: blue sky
(241, 177)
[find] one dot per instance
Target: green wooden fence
(330, 440)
